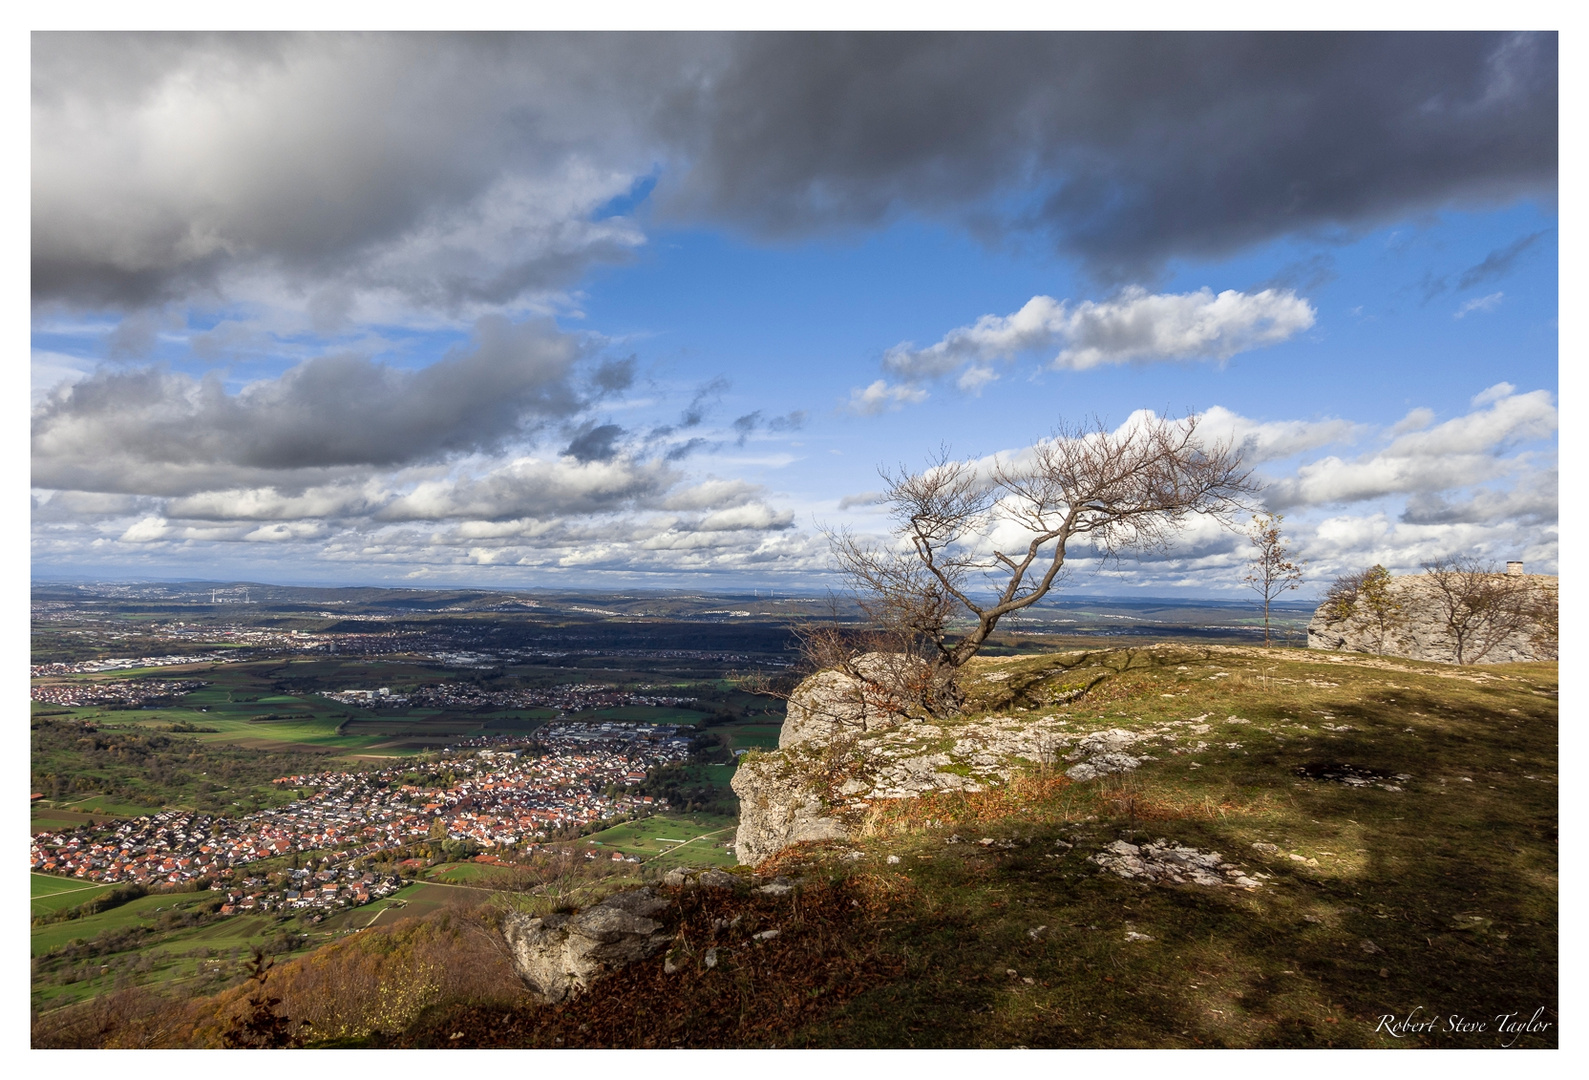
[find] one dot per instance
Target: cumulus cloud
(160, 432)
(534, 489)
(459, 173)
(1275, 440)
(1478, 484)
(1458, 454)
(1533, 501)
(1233, 139)
(443, 170)
(1135, 326)
(864, 498)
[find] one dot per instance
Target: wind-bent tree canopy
(977, 541)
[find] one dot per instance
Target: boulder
(832, 704)
(559, 955)
(776, 809)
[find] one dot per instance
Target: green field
(133, 913)
(58, 893)
(654, 838)
(464, 873)
(208, 957)
(411, 901)
(717, 776)
(751, 736)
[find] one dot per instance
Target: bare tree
(977, 542)
(1544, 617)
(1478, 607)
(1271, 571)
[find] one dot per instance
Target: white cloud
(1494, 393)
(1135, 326)
(1275, 440)
(1420, 418)
(881, 397)
(1480, 304)
(1457, 454)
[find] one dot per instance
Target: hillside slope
(1353, 837)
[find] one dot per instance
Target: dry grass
(1442, 894)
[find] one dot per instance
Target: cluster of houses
(572, 698)
(301, 889)
(118, 692)
(168, 848)
(495, 798)
(125, 663)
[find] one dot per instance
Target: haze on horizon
(642, 311)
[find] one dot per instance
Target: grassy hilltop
(1400, 816)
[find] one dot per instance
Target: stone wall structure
(1418, 632)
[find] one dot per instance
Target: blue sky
(591, 318)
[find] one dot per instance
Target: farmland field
(697, 838)
(411, 901)
(56, 894)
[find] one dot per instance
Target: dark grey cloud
(614, 376)
(1533, 502)
(688, 447)
(444, 169)
(750, 423)
(104, 432)
(1122, 149)
(594, 443)
(703, 401)
(134, 336)
(1303, 276)
(451, 171)
(1497, 263)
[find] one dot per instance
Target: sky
(651, 311)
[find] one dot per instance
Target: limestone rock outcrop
(832, 704)
(1418, 631)
(777, 808)
(559, 955)
(824, 778)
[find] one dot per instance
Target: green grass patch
(50, 894)
(466, 873)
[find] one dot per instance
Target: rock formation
(830, 768)
(834, 704)
(1417, 629)
(558, 955)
